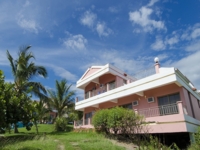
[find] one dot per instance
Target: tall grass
(48, 139)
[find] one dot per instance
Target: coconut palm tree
(24, 69)
(62, 98)
(40, 111)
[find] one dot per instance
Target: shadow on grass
(29, 148)
(4, 141)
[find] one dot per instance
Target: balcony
(103, 88)
(159, 111)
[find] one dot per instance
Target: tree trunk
(35, 122)
(15, 128)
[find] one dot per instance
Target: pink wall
(91, 71)
(187, 102)
(90, 86)
(196, 107)
(157, 92)
(102, 80)
(106, 78)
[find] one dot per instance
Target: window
(111, 85)
(150, 99)
(168, 99)
(135, 103)
(128, 106)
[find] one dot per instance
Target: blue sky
(67, 37)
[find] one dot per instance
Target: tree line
(16, 102)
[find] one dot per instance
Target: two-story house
(164, 96)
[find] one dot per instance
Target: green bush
(99, 120)
(115, 118)
(196, 145)
(60, 124)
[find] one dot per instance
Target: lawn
(49, 140)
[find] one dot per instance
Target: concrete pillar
(107, 87)
(90, 94)
(83, 118)
(180, 106)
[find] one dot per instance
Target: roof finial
(156, 60)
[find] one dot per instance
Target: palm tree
(61, 99)
(24, 70)
(40, 111)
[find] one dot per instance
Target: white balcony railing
(159, 111)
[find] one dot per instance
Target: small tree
(2, 102)
(40, 111)
(100, 121)
(115, 117)
(62, 99)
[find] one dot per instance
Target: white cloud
(159, 44)
(29, 25)
(189, 39)
(189, 67)
(76, 42)
(191, 32)
(193, 46)
(63, 73)
(152, 2)
(142, 18)
(113, 9)
(195, 33)
(102, 30)
(79, 92)
(27, 3)
(173, 40)
(116, 58)
(88, 19)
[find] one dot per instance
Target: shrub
(115, 118)
(118, 120)
(60, 124)
(196, 145)
(99, 120)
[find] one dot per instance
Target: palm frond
(12, 63)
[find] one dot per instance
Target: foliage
(24, 70)
(19, 107)
(196, 144)
(154, 143)
(100, 119)
(14, 107)
(115, 118)
(2, 102)
(62, 99)
(61, 124)
(119, 120)
(40, 112)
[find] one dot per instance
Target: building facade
(164, 96)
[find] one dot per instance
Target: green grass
(28, 140)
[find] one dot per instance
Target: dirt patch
(128, 146)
